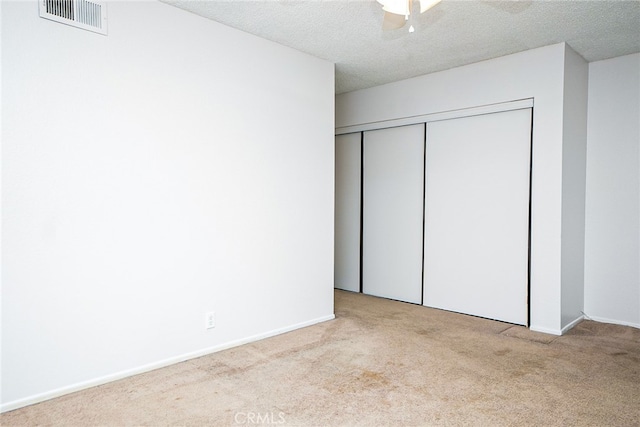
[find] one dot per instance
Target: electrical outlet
(210, 320)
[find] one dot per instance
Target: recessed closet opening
(437, 211)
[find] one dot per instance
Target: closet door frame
(426, 118)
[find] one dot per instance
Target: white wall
(574, 152)
(1, 199)
(174, 167)
(537, 74)
(612, 246)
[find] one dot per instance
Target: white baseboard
(612, 321)
(578, 320)
(572, 324)
(9, 406)
(549, 331)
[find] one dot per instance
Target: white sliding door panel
(477, 215)
(392, 217)
(347, 212)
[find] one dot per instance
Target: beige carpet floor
(380, 363)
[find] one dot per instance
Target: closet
(437, 212)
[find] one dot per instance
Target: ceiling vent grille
(88, 15)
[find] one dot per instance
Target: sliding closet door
(347, 212)
(393, 206)
(477, 215)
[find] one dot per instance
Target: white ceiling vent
(88, 15)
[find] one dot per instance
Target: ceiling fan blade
(427, 4)
(392, 21)
(399, 7)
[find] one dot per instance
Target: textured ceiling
(453, 33)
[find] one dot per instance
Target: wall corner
(574, 151)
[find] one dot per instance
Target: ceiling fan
(397, 12)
